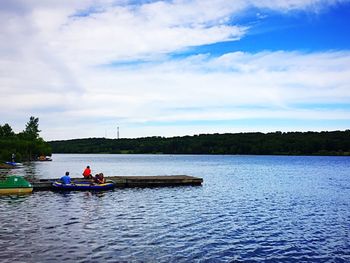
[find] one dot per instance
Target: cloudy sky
(169, 68)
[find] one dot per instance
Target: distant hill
(276, 143)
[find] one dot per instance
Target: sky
(174, 68)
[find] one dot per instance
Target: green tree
(27, 145)
(6, 131)
(32, 128)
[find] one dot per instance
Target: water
(249, 209)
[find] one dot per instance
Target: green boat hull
(15, 185)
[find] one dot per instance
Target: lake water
(249, 209)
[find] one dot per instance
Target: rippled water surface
(250, 208)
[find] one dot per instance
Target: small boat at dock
(82, 186)
(43, 158)
(15, 185)
(13, 164)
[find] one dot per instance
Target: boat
(82, 186)
(15, 185)
(13, 164)
(43, 158)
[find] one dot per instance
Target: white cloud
(51, 55)
(213, 89)
(104, 31)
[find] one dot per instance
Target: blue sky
(307, 32)
(170, 68)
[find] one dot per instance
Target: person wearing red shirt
(87, 173)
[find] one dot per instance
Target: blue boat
(82, 186)
(13, 164)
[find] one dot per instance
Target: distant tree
(6, 131)
(292, 143)
(32, 128)
(27, 145)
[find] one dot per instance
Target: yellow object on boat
(9, 191)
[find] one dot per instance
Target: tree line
(26, 145)
(275, 143)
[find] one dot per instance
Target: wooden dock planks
(132, 181)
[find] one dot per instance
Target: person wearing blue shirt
(66, 179)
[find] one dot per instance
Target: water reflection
(85, 194)
(9, 172)
(14, 198)
(251, 209)
(30, 170)
(4, 173)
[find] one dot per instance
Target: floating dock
(131, 181)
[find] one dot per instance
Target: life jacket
(87, 172)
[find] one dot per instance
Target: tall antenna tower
(117, 132)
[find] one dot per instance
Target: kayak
(13, 164)
(15, 185)
(82, 186)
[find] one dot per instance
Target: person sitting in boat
(87, 173)
(66, 179)
(100, 179)
(96, 178)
